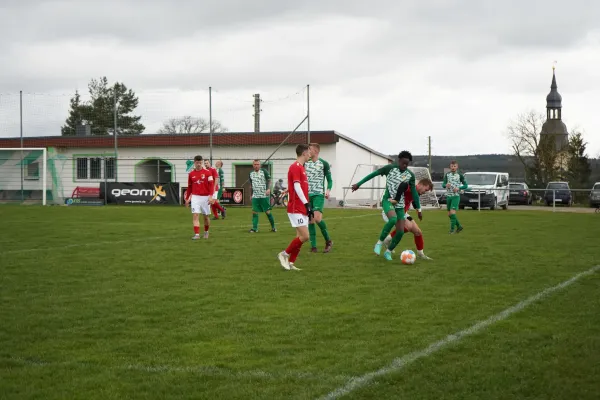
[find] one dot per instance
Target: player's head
(207, 163)
(404, 158)
(219, 164)
(256, 164)
(315, 149)
(198, 162)
(303, 152)
(424, 185)
(453, 166)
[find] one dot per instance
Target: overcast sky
(386, 73)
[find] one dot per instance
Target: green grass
(118, 302)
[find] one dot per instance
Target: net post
(21, 134)
(44, 174)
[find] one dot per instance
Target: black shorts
(409, 218)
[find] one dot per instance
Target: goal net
(23, 176)
(370, 194)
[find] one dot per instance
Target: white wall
(349, 156)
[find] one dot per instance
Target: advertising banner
(230, 197)
(83, 201)
(140, 193)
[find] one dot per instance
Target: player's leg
(454, 202)
(312, 230)
(266, 206)
(205, 209)
(318, 207)
(213, 208)
(399, 233)
(195, 207)
(388, 208)
(255, 210)
(418, 235)
(218, 202)
(449, 208)
(288, 256)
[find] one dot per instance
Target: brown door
(242, 173)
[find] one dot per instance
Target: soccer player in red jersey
(200, 190)
(215, 205)
(299, 209)
(410, 225)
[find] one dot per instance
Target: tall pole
(256, 112)
(430, 168)
(115, 132)
(210, 127)
(21, 133)
(308, 111)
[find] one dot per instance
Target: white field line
(203, 370)
(151, 238)
(401, 362)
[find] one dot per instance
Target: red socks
(419, 242)
(294, 249)
(213, 207)
(393, 233)
(197, 230)
(206, 228)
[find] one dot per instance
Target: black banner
(230, 197)
(140, 193)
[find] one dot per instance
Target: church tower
(554, 127)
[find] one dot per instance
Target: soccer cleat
(328, 246)
(388, 255)
(451, 232)
(294, 268)
(196, 236)
(459, 229)
(273, 229)
(223, 212)
(284, 259)
(377, 248)
(252, 231)
(423, 256)
(205, 235)
(313, 250)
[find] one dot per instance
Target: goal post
(23, 175)
(370, 194)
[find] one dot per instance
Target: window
(558, 185)
(95, 168)
(480, 179)
(504, 180)
(31, 171)
(516, 186)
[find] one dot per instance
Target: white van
(485, 190)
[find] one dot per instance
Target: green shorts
(261, 204)
(219, 193)
(317, 202)
(452, 202)
(387, 207)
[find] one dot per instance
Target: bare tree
(537, 153)
(188, 124)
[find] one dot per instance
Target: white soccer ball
(408, 257)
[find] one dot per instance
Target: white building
(86, 161)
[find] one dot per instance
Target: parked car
(558, 192)
(520, 193)
(485, 190)
(595, 195)
(440, 192)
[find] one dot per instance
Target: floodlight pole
(308, 111)
(210, 126)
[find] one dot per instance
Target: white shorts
(298, 220)
(386, 219)
(200, 205)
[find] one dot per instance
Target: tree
(579, 170)
(99, 111)
(537, 153)
(188, 124)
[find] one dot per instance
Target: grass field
(119, 303)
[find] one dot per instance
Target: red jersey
(200, 183)
(215, 175)
(296, 173)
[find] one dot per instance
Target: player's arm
(188, 191)
(413, 189)
(403, 187)
(251, 184)
(327, 171)
(381, 171)
(445, 181)
(296, 176)
(268, 178)
(463, 180)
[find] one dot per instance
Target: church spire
(554, 99)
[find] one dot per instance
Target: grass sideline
(118, 302)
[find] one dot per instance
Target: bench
(89, 192)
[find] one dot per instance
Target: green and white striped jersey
(317, 172)
(394, 177)
(259, 180)
(456, 180)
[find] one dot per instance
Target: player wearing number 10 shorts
(299, 210)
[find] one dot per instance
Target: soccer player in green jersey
(221, 186)
(395, 174)
(317, 171)
(260, 181)
(454, 182)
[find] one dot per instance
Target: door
(242, 173)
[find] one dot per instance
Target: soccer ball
(408, 257)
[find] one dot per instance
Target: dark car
(559, 193)
(519, 193)
(595, 195)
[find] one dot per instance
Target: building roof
(554, 99)
(197, 139)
